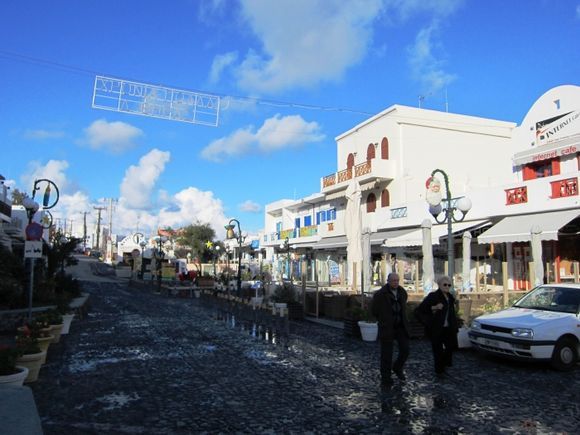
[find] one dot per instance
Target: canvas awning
(518, 228)
(414, 237)
(559, 148)
(332, 242)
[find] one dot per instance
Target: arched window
(350, 161)
(385, 149)
(385, 198)
(371, 151)
(371, 203)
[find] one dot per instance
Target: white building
(504, 169)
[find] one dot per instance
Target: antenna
(421, 99)
(446, 101)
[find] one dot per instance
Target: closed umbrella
(366, 260)
(537, 255)
(353, 230)
(428, 272)
(466, 261)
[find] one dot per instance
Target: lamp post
(216, 254)
(462, 205)
(34, 230)
(228, 252)
(159, 254)
(230, 234)
(285, 246)
(142, 244)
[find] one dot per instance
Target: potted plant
(54, 319)
(30, 355)
(10, 372)
(369, 328)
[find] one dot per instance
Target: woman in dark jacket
(437, 314)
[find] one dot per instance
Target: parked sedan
(542, 325)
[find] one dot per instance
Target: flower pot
(369, 331)
(32, 362)
(197, 293)
(463, 341)
(43, 344)
(56, 330)
(16, 379)
(66, 321)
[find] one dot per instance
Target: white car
(542, 325)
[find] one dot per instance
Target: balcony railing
(363, 168)
(344, 175)
(564, 188)
(517, 195)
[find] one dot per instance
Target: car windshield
(551, 298)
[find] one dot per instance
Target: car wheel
(565, 354)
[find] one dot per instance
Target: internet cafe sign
(557, 127)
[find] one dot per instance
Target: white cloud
(54, 170)
(276, 133)
(304, 42)
(220, 62)
(425, 66)
(184, 208)
(137, 186)
(250, 206)
(43, 134)
(115, 137)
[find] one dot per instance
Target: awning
(414, 237)
(331, 242)
(379, 237)
(518, 228)
(570, 145)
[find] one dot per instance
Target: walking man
(389, 307)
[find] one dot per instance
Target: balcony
(368, 171)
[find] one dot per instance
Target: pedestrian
(437, 313)
(389, 307)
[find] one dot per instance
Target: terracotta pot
(16, 379)
(32, 362)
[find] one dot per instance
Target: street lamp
(34, 230)
(216, 254)
(142, 244)
(462, 205)
(159, 255)
(230, 234)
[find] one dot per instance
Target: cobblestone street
(146, 363)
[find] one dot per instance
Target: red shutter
(556, 167)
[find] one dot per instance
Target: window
(325, 215)
(331, 214)
(545, 168)
(297, 222)
(371, 203)
(307, 221)
(385, 149)
(371, 151)
(385, 198)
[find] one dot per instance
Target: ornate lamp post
(462, 205)
(159, 255)
(230, 234)
(142, 244)
(34, 230)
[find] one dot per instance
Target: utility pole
(85, 230)
(109, 253)
(99, 210)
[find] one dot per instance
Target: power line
(262, 101)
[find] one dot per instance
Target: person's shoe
(386, 383)
(400, 374)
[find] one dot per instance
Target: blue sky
(292, 74)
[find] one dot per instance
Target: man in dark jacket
(389, 307)
(437, 314)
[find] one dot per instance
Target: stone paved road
(141, 363)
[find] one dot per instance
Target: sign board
(333, 272)
(34, 231)
(32, 249)
(155, 101)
